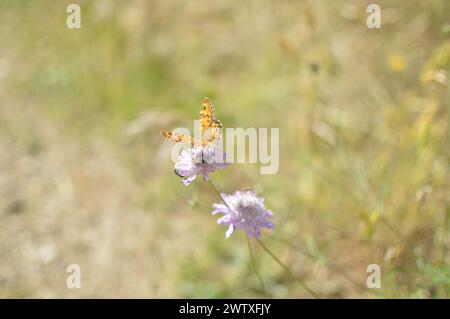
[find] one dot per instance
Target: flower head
(243, 210)
(199, 161)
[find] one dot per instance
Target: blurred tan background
(86, 179)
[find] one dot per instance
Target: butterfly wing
(210, 127)
(175, 137)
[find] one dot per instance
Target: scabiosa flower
(199, 161)
(243, 210)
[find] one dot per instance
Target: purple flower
(199, 161)
(243, 210)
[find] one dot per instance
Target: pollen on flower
(243, 210)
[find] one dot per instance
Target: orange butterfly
(210, 128)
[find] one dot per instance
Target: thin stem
(218, 193)
(261, 281)
(252, 257)
(286, 268)
(332, 266)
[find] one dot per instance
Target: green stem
(261, 281)
(286, 268)
(218, 193)
(332, 267)
(252, 257)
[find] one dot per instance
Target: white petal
(229, 231)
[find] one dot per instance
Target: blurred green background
(86, 178)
